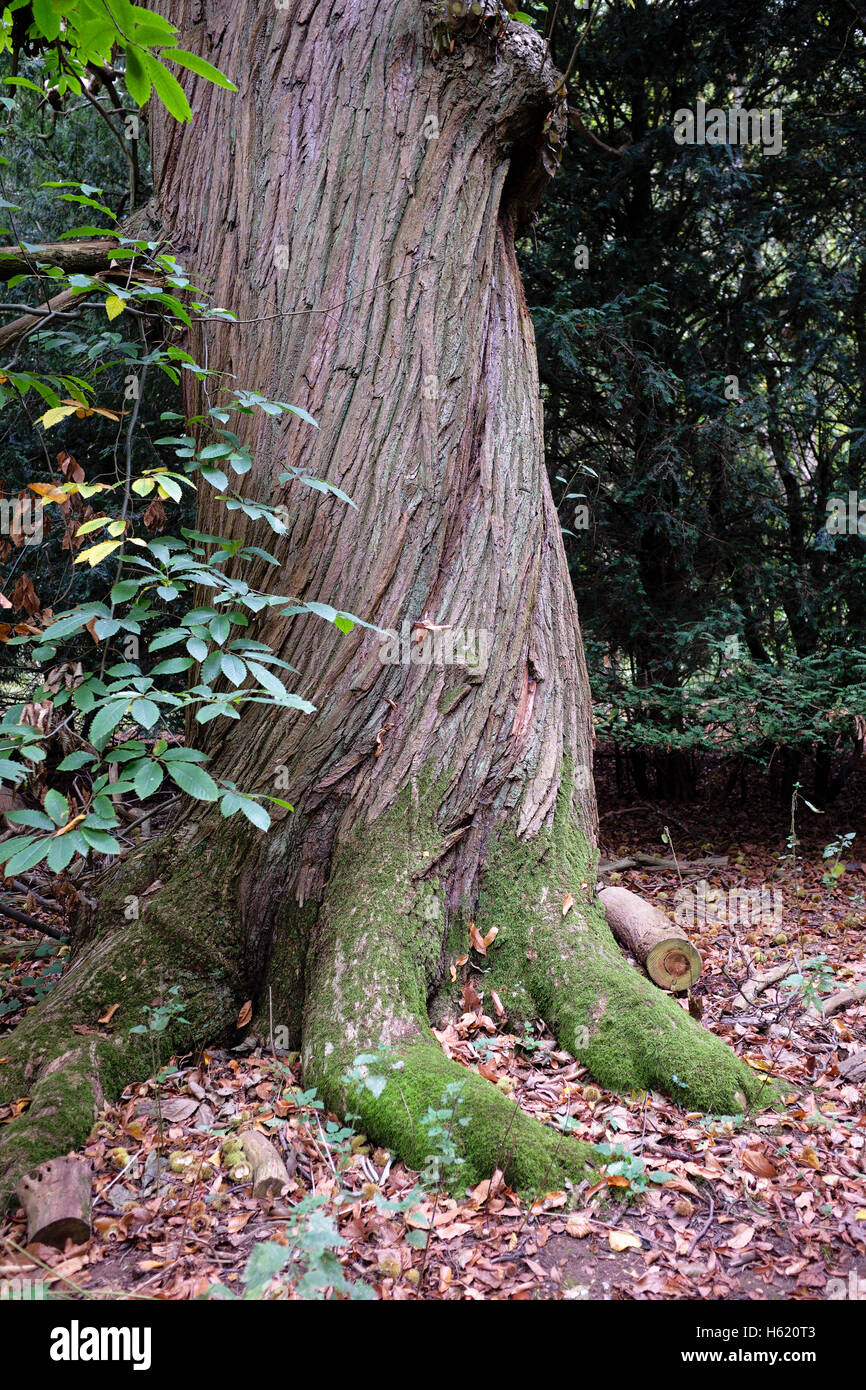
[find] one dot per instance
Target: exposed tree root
(566, 966)
(66, 1061)
(365, 964)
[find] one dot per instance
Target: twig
(25, 920)
(703, 1231)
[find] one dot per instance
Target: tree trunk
(427, 793)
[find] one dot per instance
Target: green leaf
(145, 712)
(37, 819)
(98, 840)
(73, 761)
(168, 89)
(199, 66)
(61, 852)
(267, 678)
(220, 628)
(197, 649)
(265, 1261)
(233, 668)
(106, 720)
(137, 81)
(47, 18)
(173, 666)
(26, 858)
(255, 813)
(194, 781)
(147, 779)
(57, 807)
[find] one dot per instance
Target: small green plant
(631, 1167)
(158, 1016)
(305, 1265)
(835, 851)
(528, 1041)
(814, 978)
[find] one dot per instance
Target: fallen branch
(748, 993)
(854, 1067)
(25, 920)
(638, 860)
(72, 257)
(837, 1002)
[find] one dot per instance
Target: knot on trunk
(480, 47)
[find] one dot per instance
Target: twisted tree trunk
(356, 206)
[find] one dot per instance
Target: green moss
(377, 942)
(187, 934)
(498, 1134)
(375, 947)
(628, 1033)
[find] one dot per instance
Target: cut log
(270, 1175)
(665, 951)
(56, 1200)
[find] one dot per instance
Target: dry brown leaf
(245, 1015)
(757, 1162)
(471, 999)
(109, 1014)
(741, 1237)
(567, 904)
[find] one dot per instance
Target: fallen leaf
(245, 1015)
(578, 1225)
(741, 1237)
(758, 1163)
(624, 1240)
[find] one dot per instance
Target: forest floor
(769, 1206)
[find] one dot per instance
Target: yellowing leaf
(49, 492)
(70, 825)
(143, 486)
(95, 553)
(624, 1240)
(57, 413)
(114, 306)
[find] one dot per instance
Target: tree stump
(664, 951)
(56, 1200)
